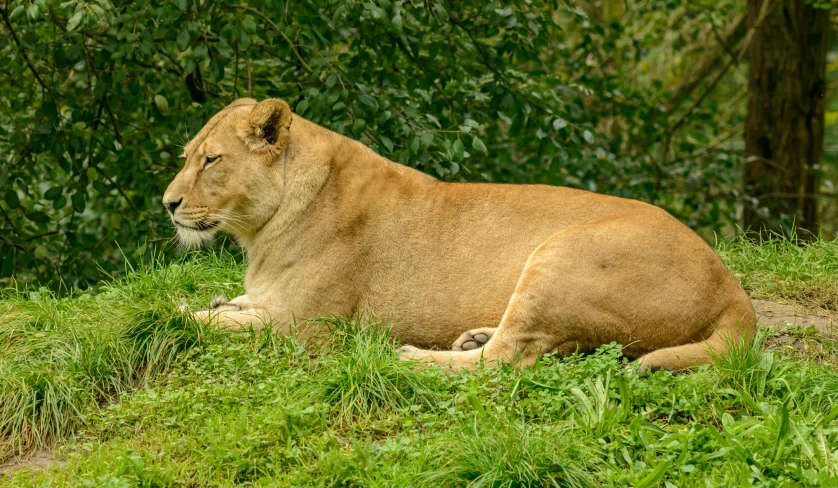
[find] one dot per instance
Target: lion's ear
(267, 127)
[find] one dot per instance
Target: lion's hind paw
(473, 339)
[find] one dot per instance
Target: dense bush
(98, 97)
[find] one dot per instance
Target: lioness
(490, 271)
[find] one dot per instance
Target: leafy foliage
(100, 96)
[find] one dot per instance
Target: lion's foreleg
(236, 314)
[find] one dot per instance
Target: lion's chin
(192, 238)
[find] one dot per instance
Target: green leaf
(559, 123)
(441, 13)
(459, 149)
(16, 12)
(589, 137)
(224, 50)
(433, 119)
(249, 24)
(183, 39)
(78, 201)
(476, 404)
(32, 11)
(72, 52)
(396, 25)
(655, 476)
(244, 40)
(387, 143)
(38, 217)
(478, 145)
(11, 199)
(74, 20)
(200, 52)
(369, 101)
(216, 69)
(358, 127)
(182, 5)
(782, 431)
(414, 145)
(189, 66)
(54, 193)
(162, 104)
(376, 12)
(427, 139)
(41, 252)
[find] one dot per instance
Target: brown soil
(775, 313)
(43, 459)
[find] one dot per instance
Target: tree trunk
(784, 128)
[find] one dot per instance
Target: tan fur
(331, 227)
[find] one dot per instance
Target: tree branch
(11, 224)
(113, 184)
(44, 234)
(271, 22)
(113, 119)
(734, 60)
(8, 23)
(705, 66)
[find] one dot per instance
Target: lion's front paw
(201, 316)
(221, 302)
(218, 301)
(405, 351)
(410, 353)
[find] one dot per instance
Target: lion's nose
(171, 205)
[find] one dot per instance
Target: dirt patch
(43, 459)
(775, 313)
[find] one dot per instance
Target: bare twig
(236, 72)
(734, 60)
(249, 74)
(113, 120)
(271, 22)
(38, 236)
(706, 65)
(11, 224)
(8, 23)
(113, 183)
(15, 244)
(797, 195)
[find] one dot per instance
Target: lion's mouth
(201, 225)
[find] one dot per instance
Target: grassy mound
(133, 394)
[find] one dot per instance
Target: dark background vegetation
(645, 99)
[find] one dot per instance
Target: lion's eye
(209, 160)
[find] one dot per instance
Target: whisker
(227, 219)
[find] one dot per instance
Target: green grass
(132, 394)
(782, 269)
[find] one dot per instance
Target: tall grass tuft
(502, 453)
(159, 336)
(38, 405)
(60, 358)
(363, 378)
(783, 268)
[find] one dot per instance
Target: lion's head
(228, 165)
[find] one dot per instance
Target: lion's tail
(737, 325)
